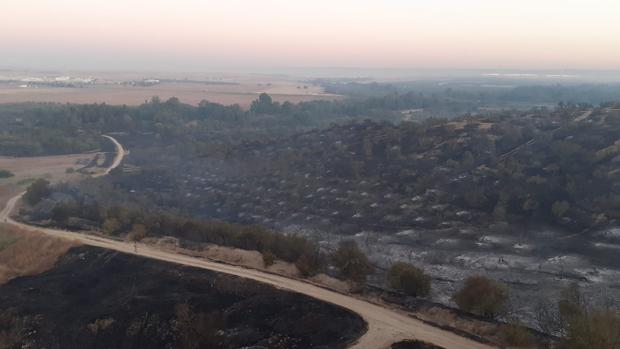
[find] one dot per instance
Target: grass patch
(6, 241)
(28, 253)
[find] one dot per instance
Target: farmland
(131, 89)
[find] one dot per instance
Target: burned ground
(414, 345)
(102, 299)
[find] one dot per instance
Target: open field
(28, 253)
(52, 168)
(122, 90)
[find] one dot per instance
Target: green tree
(483, 296)
(264, 105)
(37, 191)
(409, 279)
(61, 212)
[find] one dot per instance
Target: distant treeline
(481, 92)
(48, 128)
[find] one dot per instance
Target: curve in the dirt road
(118, 158)
(385, 326)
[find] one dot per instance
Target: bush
(100, 325)
(598, 328)
(6, 174)
(137, 233)
(111, 226)
(409, 279)
(309, 263)
(483, 296)
(585, 327)
(352, 262)
(515, 335)
(268, 258)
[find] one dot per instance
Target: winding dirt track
(385, 326)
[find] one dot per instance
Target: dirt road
(385, 326)
(120, 154)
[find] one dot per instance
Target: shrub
(483, 296)
(111, 226)
(598, 328)
(515, 335)
(352, 262)
(409, 279)
(197, 330)
(309, 263)
(137, 233)
(100, 325)
(585, 327)
(559, 208)
(6, 174)
(268, 258)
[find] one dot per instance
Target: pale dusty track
(385, 326)
(120, 154)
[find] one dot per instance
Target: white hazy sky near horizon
(195, 35)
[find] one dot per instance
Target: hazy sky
(206, 35)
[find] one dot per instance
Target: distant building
(150, 82)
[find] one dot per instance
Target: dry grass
(242, 93)
(22, 252)
(445, 317)
(52, 168)
(254, 259)
(248, 259)
(7, 192)
(331, 282)
(28, 253)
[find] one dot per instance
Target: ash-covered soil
(414, 345)
(536, 263)
(95, 298)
